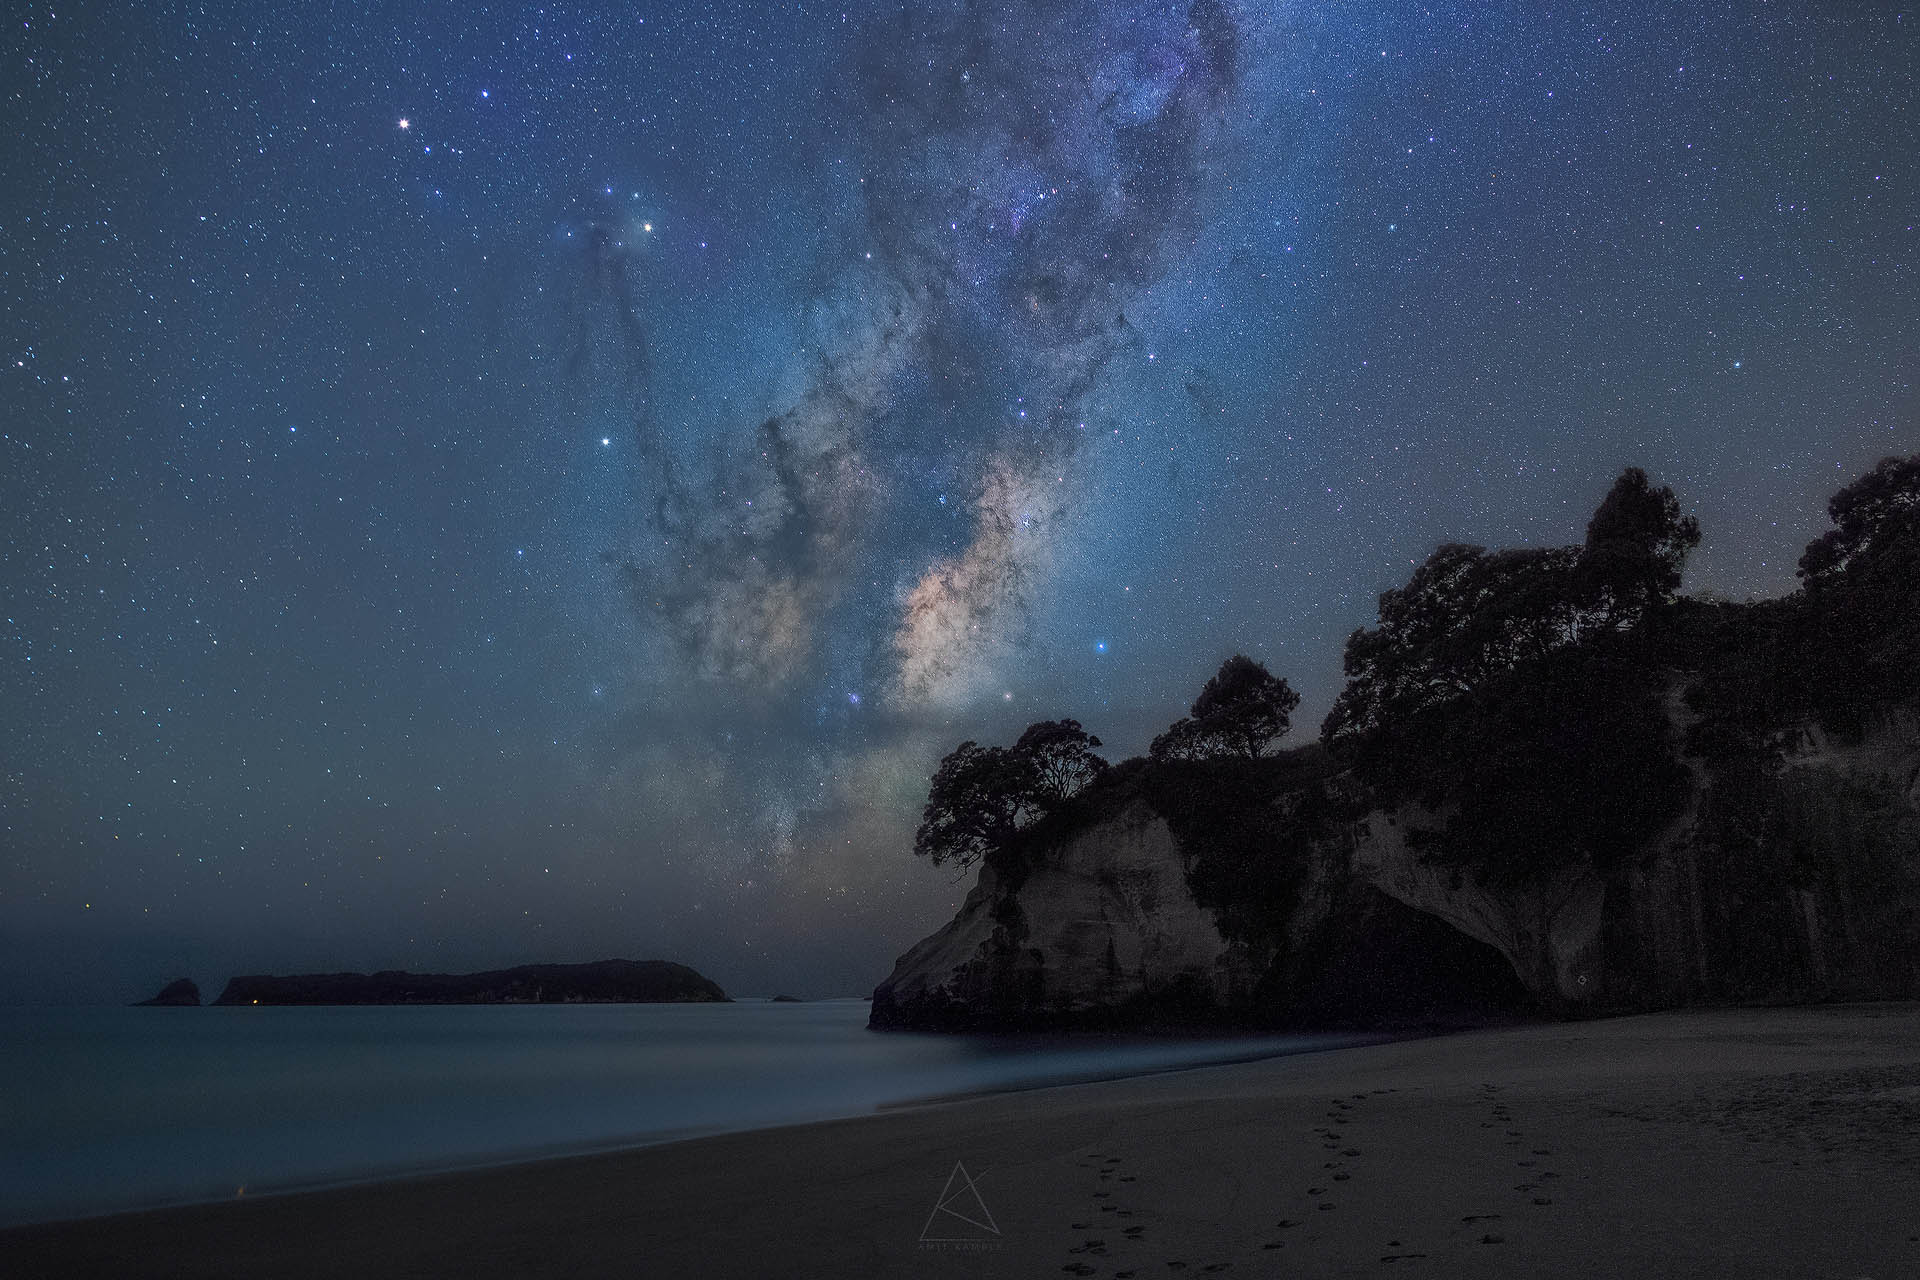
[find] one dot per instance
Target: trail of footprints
(1337, 1137)
(1500, 1118)
(1110, 1218)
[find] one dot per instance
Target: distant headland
(600, 982)
(181, 993)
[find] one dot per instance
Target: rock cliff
(1789, 875)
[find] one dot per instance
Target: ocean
(105, 1109)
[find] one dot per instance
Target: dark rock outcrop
(181, 993)
(1793, 881)
(601, 982)
(1542, 757)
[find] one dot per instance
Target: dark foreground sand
(1738, 1143)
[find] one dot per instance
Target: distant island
(600, 982)
(181, 993)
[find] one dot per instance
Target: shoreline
(1231, 1047)
(1753, 1142)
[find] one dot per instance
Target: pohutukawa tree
(1468, 614)
(1243, 710)
(981, 797)
(978, 800)
(1061, 756)
(1636, 548)
(1873, 516)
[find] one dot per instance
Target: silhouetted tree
(1857, 642)
(1185, 739)
(975, 804)
(1636, 549)
(1246, 706)
(1242, 710)
(1468, 614)
(981, 797)
(1060, 756)
(1877, 512)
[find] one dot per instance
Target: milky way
(575, 522)
(1025, 173)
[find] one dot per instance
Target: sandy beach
(1746, 1143)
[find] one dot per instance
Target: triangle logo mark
(960, 1214)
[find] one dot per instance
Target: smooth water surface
(110, 1109)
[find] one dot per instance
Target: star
(405, 123)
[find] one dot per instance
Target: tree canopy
(1468, 614)
(1878, 513)
(1060, 755)
(1857, 640)
(1243, 710)
(981, 797)
(1636, 550)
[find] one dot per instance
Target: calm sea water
(110, 1109)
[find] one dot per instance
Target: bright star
(605, 441)
(405, 123)
(646, 226)
(1100, 646)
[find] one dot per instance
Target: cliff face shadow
(1378, 964)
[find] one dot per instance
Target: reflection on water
(108, 1109)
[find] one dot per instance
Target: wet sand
(1741, 1143)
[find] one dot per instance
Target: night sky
(483, 484)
